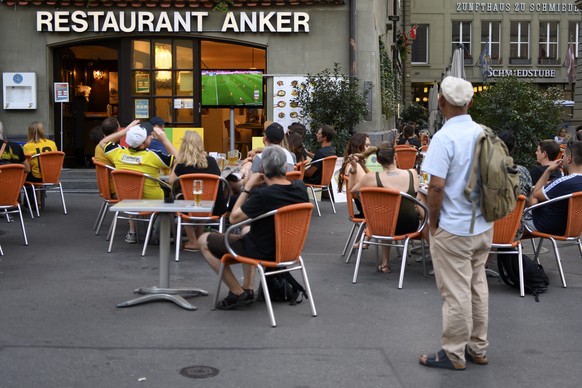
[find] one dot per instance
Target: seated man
(546, 153)
(552, 217)
(12, 153)
(274, 135)
(324, 137)
(262, 193)
(138, 158)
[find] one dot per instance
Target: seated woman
(409, 137)
(192, 159)
(37, 143)
(393, 178)
(293, 142)
(359, 142)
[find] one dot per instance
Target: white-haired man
(263, 192)
(458, 255)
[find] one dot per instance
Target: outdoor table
(166, 210)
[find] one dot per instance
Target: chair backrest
(11, 181)
(293, 176)
(328, 166)
(505, 229)
(424, 148)
(381, 207)
(103, 173)
(51, 164)
(210, 184)
(574, 224)
(291, 229)
(405, 157)
(128, 184)
(300, 166)
(402, 146)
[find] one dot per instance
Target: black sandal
(440, 360)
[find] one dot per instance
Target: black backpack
(283, 288)
(535, 280)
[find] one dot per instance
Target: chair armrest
(161, 182)
(313, 162)
(539, 204)
(418, 203)
(232, 228)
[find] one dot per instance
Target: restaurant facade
(526, 39)
(71, 63)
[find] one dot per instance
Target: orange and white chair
(328, 166)
(291, 229)
(50, 164)
(11, 181)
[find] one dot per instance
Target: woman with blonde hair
(393, 178)
(192, 159)
(37, 143)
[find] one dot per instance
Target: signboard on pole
(61, 92)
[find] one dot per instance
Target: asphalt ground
(59, 325)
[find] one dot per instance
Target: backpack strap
(472, 181)
(3, 147)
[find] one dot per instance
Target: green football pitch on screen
(232, 88)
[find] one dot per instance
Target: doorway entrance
(145, 77)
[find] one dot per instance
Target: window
(420, 45)
(491, 40)
(462, 36)
(548, 46)
(573, 35)
(163, 79)
(519, 43)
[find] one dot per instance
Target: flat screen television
(232, 88)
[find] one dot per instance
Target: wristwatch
(244, 190)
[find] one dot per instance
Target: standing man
(324, 137)
(458, 256)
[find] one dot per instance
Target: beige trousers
(459, 264)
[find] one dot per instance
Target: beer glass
(221, 160)
(233, 157)
(197, 188)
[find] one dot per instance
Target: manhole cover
(198, 372)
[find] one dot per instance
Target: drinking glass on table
(233, 157)
(197, 188)
(221, 160)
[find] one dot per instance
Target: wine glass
(197, 188)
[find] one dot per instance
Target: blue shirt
(552, 218)
(449, 156)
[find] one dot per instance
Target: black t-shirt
(413, 141)
(536, 173)
(319, 154)
(13, 153)
(220, 203)
(259, 243)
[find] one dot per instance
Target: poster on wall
(285, 110)
(113, 88)
(142, 109)
(142, 83)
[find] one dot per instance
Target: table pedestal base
(175, 295)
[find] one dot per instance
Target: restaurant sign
(144, 21)
(522, 73)
(516, 7)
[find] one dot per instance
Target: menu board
(285, 110)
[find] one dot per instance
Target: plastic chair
(405, 157)
(129, 185)
(11, 180)
(573, 228)
(328, 166)
(291, 229)
(210, 184)
(51, 164)
(359, 222)
(381, 207)
(103, 174)
(300, 166)
(504, 232)
(293, 176)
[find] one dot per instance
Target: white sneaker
(131, 238)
